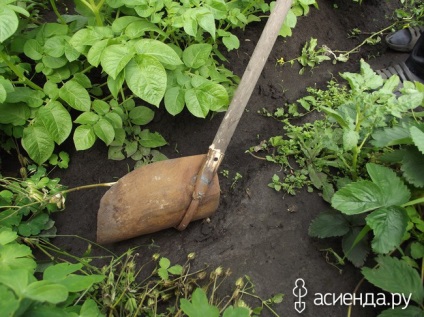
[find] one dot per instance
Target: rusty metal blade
(152, 198)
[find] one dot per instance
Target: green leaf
(115, 85)
(196, 55)
(89, 118)
(176, 269)
(90, 309)
(212, 95)
(34, 225)
(94, 55)
(38, 143)
(16, 256)
(163, 273)
(84, 137)
(55, 46)
(390, 136)
(412, 167)
(151, 140)
(45, 291)
(389, 226)
(350, 139)
(58, 272)
(75, 95)
(33, 98)
(358, 197)
(8, 23)
(392, 187)
(16, 114)
(33, 49)
(141, 115)
(357, 253)
(329, 224)
(115, 58)
(161, 51)
(16, 279)
(9, 303)
(174, 100)
(199, 305)
(6, 234)
(410, 311)
(146, 77)
(417, 250)
(418, 138)
(101, 107)
(137, 29)
(114, 119)
(164, 263)
(104, 130)
(57, 121)
(231, 41)
(336, 116)
(194, 105)
(236, 312)
(206, 21)
(395, 276)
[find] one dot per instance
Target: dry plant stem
(349, 310)
(87, 187)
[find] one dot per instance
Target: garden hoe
(174, 192)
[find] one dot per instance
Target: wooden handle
(251, 75)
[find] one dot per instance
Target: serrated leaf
(417, 250)
(164, 263)
(329, 224)
(115, 58)
(104, 131)
(418, 138)
(356, 254)
(84, 137)
(390, 136)
(389, 226)
(176, 269)
(392, 187)
(196, 55)
(161, 51)
(58, 272)
(38, 143)
(412, 167)
(75, 95)
(141, 115)
(163, 273)
(395, 276)
(350, 139)
(57, 121)
(8, 23)
(358, 197)
(146, 77)
(174, 100)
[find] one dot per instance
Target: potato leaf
(146, 78)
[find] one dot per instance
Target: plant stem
(59, 16)
(87, 187)
(414, 202)
(18, 72)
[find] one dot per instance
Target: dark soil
(256, 231)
